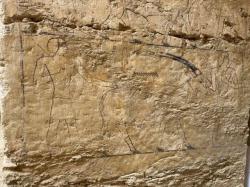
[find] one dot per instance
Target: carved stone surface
(125, 92)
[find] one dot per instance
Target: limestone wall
(3, 92)
(125, 92)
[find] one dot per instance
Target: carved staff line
(183, 61)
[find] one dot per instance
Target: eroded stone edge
(3, 93)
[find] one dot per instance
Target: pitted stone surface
(126, 93)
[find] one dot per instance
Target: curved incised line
(191, 66)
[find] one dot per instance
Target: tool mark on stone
(146, 74)
(183, 61)
(108, 16)
(224, 75)
(22, 64)
(48, 55)
(248, 138)
(139, 42)
(57, 48)
(69, 122)
(137, 13)
(184, 137)
(102, 107)
(52, 99)
(105, 97)
(153, 152)
(129, 142)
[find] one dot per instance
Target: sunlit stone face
(132, 93)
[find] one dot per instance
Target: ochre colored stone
(124, 93)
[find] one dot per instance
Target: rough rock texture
(126, 92)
